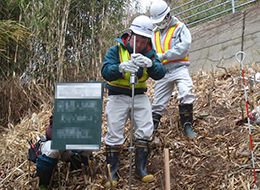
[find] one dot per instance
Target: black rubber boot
(45, 178)
(156, 120)
(112, 154)
(186, 114)
(141, 155)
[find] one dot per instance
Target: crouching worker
(49, 158)
(119, 63)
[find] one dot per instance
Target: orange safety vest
(124, 83)
(166, 44)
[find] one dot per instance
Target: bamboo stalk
(37, 182)
(12, 172)
(84, 173)
(59, 178)
(243, 183)
(10, 105)
(90, 166)
(29, 168)
(68, 171)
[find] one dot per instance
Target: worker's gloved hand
(160, 56)
(141, 61)
(128, 67)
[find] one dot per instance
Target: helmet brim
(159, 18)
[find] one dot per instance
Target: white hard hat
(158, 11)
(143, 26)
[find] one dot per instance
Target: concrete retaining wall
(216, 42)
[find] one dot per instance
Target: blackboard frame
(77, 116)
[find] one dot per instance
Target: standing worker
(172, 41)
(119, 63)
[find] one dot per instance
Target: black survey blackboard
(77, 116)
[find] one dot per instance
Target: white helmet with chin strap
(158, 11)
(143, 26)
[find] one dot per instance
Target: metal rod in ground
(131, 142)
(243, 54)
(133, 82)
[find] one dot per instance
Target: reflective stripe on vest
(124, 83)
(166, 44)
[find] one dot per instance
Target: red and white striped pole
(247, 111)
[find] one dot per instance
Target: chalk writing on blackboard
(77, 117)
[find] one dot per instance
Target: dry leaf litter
(219, 158)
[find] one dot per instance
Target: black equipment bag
(34, 151)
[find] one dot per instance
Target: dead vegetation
(219, 158)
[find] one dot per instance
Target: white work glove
(141, 61)
(128, 67)
(160, 56)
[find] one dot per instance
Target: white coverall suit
(118, 111)
(177, 72)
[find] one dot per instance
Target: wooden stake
(110, 176)
(167, 170)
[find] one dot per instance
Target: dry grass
(219, 158)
